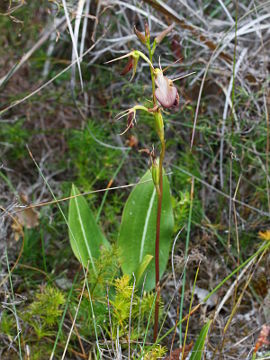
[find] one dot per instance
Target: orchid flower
(131, 116)
(133, 62)
(166, 93)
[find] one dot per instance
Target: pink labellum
(166, 93)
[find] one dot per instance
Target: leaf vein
(84, 236)
(146, 224)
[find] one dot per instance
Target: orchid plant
(164, 95)
(148, 211)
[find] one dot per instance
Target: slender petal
(120, 57)
(128, 66)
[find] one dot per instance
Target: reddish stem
(160, 195)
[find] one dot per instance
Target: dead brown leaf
(24, 218)
(175, 354)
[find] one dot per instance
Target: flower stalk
(164, 94)
(159, 126)
(160, 195)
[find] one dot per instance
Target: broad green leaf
(198, 348)
(142, 268)
(138, 228)
(85, 235)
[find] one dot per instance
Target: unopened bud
(159, 125)
(135, 57)
(164, 33)
(155, 173)
(147, 31)
(140, 35)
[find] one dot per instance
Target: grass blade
(198, 348)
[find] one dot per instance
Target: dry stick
(267, 149)
(253, 208)
(74, 44)
(230, 93)
(178, 290)
(12, 9)
(71, 350)
(192, 295)
(235, 301)
(66, 221)
(19, 330)
(16, 103)
(237, 236)
(44, 37)
(247, 262)
(75, 53)
(22, 247)
(215, 53)
(230, 207)
(260, 212)
(231, 289)
(76, 314)
(266, 106)
(77, 334)
(25, 266)
(186, 257)
(52, 202)
(164, 9)
(239, 301)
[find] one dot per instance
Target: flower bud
(155, 173)
(147, 31)
(135, 57)
(164, 33)
(140, 35)
(159, 125)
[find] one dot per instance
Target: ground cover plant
(82, 152)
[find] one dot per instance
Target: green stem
(152, 74)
